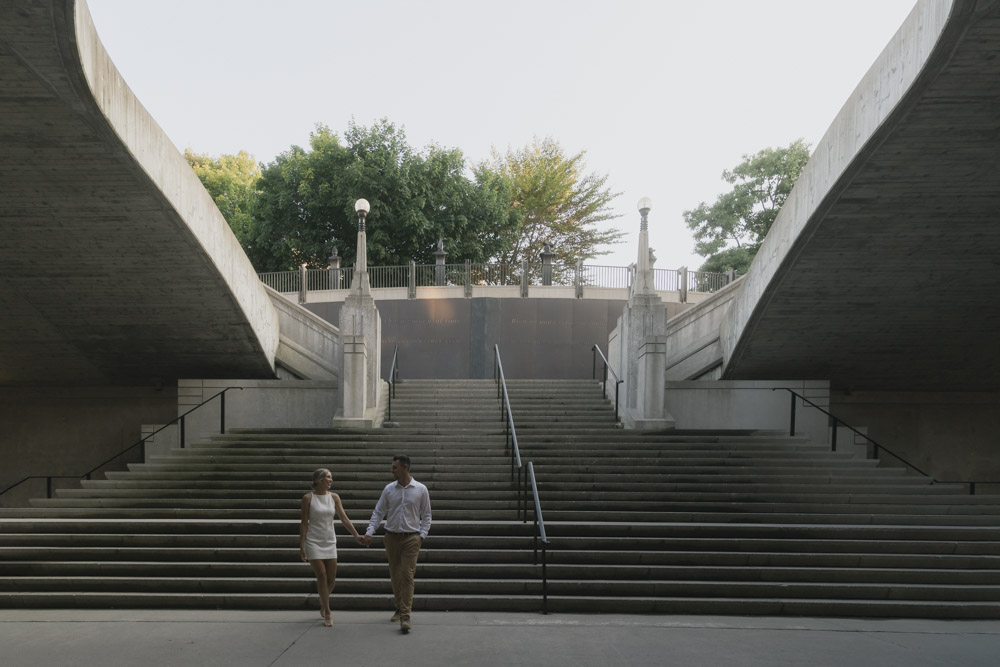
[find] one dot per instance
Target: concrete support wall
(309, 346)
(67, 431)
(951, 436)
(260, 404)
(750, 405)
(694, 348)
(179, 186)
(849, 137)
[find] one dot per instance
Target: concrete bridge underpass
(882, 271)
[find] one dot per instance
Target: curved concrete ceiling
(115, 265)
(883, 269)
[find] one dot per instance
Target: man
(406, 506)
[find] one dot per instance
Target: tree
(554, 202)
(231, 180)
(306, 202)
(729, 232)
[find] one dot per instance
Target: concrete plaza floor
(282, 639)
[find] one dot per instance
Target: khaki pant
(402, 551)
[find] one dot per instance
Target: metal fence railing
(580, 276)
(606, 276)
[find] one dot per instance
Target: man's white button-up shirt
(406, 509)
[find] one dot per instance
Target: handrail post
(522, 495)
(791, 425)
(534, 540)
(617, 384)
(972, 488)
(48, 486)
(182, 432)
(545, 583)
(833, 440)
(593, 366)
(222, 412)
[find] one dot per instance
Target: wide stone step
(664, 494)
(651, 484)
(514, 586)
(353, 568)
(730, 521)
(559, 604)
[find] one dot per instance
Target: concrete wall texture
(66, 431)
(454, 338)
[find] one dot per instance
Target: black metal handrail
(876, 447)
(393, 377)
(141, 444)
(528, 471)
(604, 384)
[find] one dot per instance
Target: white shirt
(406, 509)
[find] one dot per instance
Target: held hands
(364, 540)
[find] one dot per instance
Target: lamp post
(643, 282)
(362, 207)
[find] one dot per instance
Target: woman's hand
(302, 554)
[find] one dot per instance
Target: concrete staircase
(724, 523)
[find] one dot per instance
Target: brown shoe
(395, 617)
(404, 624)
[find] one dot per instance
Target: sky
(663, 95)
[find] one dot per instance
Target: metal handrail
(510, 441)
(510, 433)
(141, 443)
(539, 536)
(837, 421)
(604, 384)
(393, 377)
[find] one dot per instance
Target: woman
(317, 540)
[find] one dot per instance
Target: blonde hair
(318, 474)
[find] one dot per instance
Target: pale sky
(662, 94)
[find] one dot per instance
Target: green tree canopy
(231, 180)
(555, 202)
(306, 202)
(729, 232)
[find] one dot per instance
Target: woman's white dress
(321, 540)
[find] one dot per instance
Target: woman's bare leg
(322, 588)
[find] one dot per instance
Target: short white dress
(321, 540)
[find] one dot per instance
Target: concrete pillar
(546, 258)
(302, 283)
(355, 372)
(411, 283)
(334, 269)
(578, 280)
(524, 278)
(439, 257)
(641, 343)
(361, 337)
(468, 278)
(652, 367)
(682, 277)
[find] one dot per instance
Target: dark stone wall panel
(454, 338)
